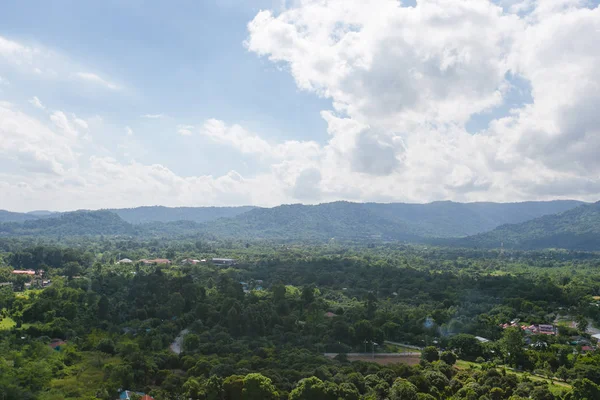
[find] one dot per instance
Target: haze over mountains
(561, 224)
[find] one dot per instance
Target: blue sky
(227, 102)
(187, 63)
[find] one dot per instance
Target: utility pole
(373, 344)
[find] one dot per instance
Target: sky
(111, 104)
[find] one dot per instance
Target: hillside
(575, 229)
(77, 223)
(450, 219)
(396, 221)
(339, 220)
(140, 215)
(8, 216)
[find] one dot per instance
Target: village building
(24, 272)
(155, 261)
(127, 395)
(224, 261)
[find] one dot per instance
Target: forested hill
(450, 219)
(395, 221)
(7, 216)
(576, 229)
(77, 223)
(141, 215)
(340, 220)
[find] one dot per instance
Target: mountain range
(564, 223)
(575, 229)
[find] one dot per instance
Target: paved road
(178, 342)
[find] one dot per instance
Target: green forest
(557, 224)
(294, 321)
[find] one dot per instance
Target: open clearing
(382, 358)
(556, 386)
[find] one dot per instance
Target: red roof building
(56, 344)
(24, 272)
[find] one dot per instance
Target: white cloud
(128, 131)
(404, 81)
(33, 146)
(37, 103)
(91, 77)
(3, 81)
(46, 63)
(16, 53)
(185, 130)
(235, 136)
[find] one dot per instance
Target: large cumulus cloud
(412, 77)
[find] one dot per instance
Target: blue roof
(125, 395)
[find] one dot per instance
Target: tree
(512, 344)
(430, 354)
(103, 308)
(584, 389)
(258, 387)
(278, 293)
(466, 346)
(403, 390)
(106, 346)
(233, 321)
(192, 389)
(233, 386)
(582, 323)
(213, 388)
(448, 357)
(562, 373)
(348, 391)
(72, 269)
(314, 389)
(191, 342)
(363, 330)
(542, 393)
(308, 294)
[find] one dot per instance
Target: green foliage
(120, 322)
(576, 229)
(403, 390)
(258, 387)
(430, 354)
(448, 357)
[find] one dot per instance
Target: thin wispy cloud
(37, 103)
(185, 130)
(91, 77)
(154, 116)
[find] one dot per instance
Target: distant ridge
(575, 229)
(140, 215)
(372, 221)
(554, 223)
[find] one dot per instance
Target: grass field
(381, 358)
(556, 387)
(387, 360)
(392, 348)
